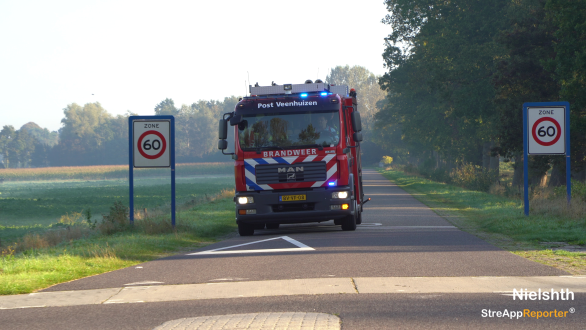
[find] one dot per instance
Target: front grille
(299, 172)
(294, 207)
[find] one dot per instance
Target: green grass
(34, 206)
(36, 269)
(39, 202)
(499, 219)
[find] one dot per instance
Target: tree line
(460, 71)
(91, 136)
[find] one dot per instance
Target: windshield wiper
(319, 146)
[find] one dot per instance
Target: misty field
(30, 206)
(106, 172)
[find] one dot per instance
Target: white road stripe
(300, 247)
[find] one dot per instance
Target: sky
(131, 55)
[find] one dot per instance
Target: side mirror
(356, 122)
(357, 137)
(223, 130)
(222, 144)
(235, 120)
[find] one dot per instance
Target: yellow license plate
(292, 198)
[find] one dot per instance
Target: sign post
(151, 143)
(546, 131)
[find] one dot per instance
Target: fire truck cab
(297, 156)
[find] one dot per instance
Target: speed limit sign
(151, 140)
(546, 130)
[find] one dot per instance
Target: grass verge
(35, 269)
(501, 221)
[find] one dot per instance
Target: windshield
(289, 130)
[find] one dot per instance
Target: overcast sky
(131, 55)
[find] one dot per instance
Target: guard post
(546, 131)
(151, 144)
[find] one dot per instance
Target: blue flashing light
(323, 93)
(331, 183)
(303, 95)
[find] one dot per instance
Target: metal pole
(172, 171)
(130, 169)
(525, 163)
(568, 167)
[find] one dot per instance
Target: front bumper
(316, 207)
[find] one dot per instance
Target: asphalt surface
(411, 241)
(357, 312)
(400, 237)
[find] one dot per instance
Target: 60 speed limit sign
(546, 130)
(151, 143)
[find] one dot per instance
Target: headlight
(245, 200)
(340, 194)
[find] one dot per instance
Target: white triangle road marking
(300, 247)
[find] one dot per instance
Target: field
(109, 172)
(45, 237)
(29, 206)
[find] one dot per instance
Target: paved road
(400, 237)
(411, 240)
(357, 312)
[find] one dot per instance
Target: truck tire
(245, 230)
(349, 223)
(359, 217)
(272, 226)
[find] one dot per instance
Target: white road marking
(144, 283)
(405, 227)
(370, 224)
(300, 247)
(229, 279)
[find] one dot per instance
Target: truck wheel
(272, 226)
(359, 217)
(349, 223)
(245, 230)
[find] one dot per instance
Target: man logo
(291, 176)
(290, 169)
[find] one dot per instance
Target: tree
(366, 85)
(166, 107)
(520, 77)
(440, 57)
(83, 136)
(7, 134)
(569, 67)
(41, 134)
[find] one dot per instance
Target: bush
(441, 175)
(578, 190)
(473, 177)
(427, 168)
(387, 160)
(117, 220)
(410, 169)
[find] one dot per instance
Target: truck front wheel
(245, 230)
(349, 222)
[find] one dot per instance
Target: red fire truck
(297, 156)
